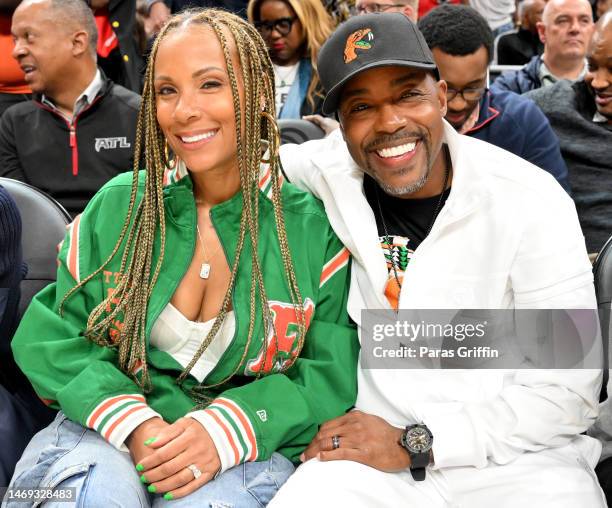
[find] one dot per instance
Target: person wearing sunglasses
(293, 30)
(462, 45)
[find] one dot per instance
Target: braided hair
(145, 221)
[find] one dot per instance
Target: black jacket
(516, 124)
(518, 48)
(39, 147)
(125, 65)
(12, 271)
(236, 6)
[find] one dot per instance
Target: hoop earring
(169, 165)
(274, 144)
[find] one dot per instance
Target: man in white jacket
(437, 220)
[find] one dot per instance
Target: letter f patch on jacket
(276, 353)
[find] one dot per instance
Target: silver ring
(335, 442)
(194, 469)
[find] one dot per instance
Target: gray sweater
(586, 147)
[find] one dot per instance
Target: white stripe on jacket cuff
(231, 431)
(222, 444)
(127, 427)
(116, 417)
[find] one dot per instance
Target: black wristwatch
(417, 440)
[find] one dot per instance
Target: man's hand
(135, 441)
(364, 438)
(176, 447)
(158, 15)
(327, 125)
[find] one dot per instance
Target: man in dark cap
(438, 220)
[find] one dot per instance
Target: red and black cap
(365, 42)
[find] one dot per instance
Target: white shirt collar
(599, 118)
(85, 99)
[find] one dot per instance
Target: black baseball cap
(368, 41)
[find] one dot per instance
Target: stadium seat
(298, 131)
(602, 272)
(44, 226)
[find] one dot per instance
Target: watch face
(418, 439)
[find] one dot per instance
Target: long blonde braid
(147, 220)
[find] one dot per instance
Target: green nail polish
(143, 479)
(150, 440)
(139, 467)
(152, 489)
(168, 496)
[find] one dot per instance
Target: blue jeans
(66, 454)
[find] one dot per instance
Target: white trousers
(555, 478)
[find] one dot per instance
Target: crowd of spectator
(71, 79)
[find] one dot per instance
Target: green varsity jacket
(250, 416)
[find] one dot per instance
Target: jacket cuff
(116, 417)
(455, 442)
(231, 431)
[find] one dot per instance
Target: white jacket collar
(357, 229)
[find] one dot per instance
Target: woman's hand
(186, 442)
(136, 440)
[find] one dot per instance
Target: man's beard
(414, 186)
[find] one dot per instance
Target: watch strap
(419, 460)
(418, 473)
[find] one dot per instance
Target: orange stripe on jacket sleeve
(245, 423)
(227, 434)
(335, 263)
(107, 404)
(262, 181)
(108, 433)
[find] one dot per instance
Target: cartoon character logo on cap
(357, 41)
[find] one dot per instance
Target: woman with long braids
(197, 333)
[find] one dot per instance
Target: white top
(496, 12)
(181, 338)
(284, 76)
